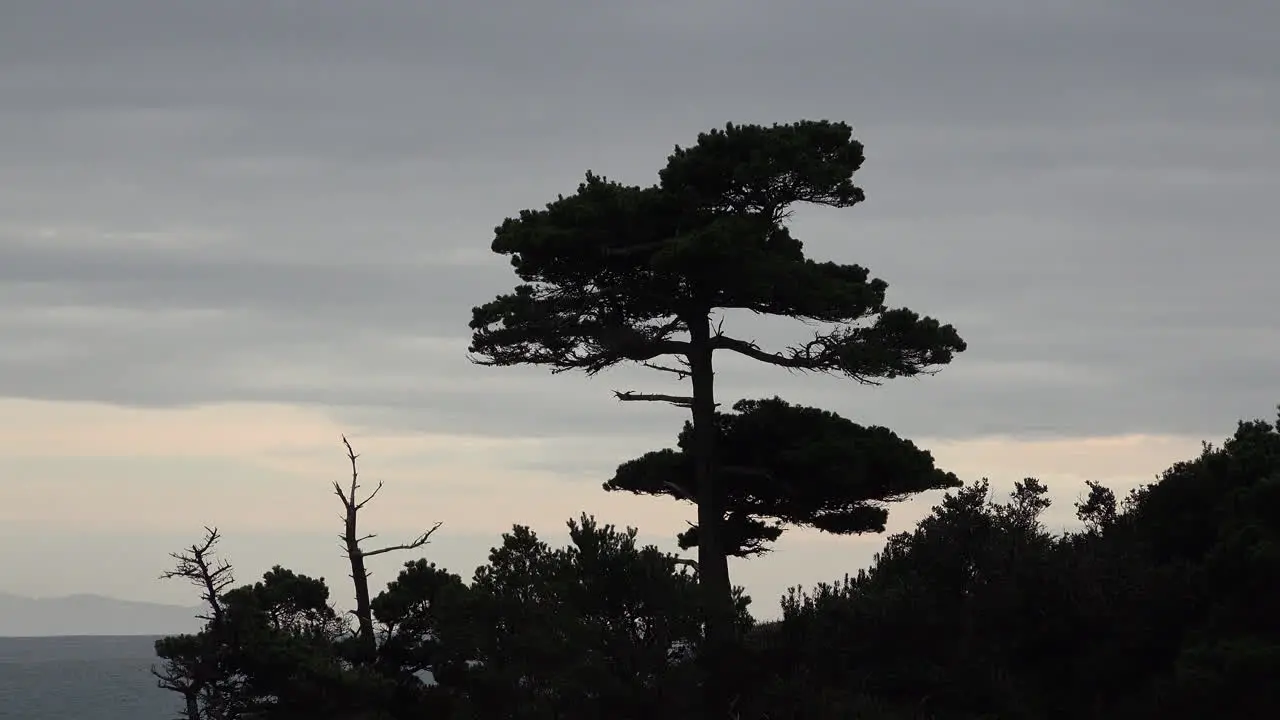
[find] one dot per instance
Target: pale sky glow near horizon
(231, 232)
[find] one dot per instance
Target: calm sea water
(81, 678)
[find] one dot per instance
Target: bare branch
(372, 495)
(355, 474)
(753, 351)
(677, 400)
(680, 374)
(417, 543)
(351, 539)
(685, 562)
(337, 489)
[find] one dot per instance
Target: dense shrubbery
(1159, 606)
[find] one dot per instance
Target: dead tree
(189, 668)
(366, 640)
(199, 565)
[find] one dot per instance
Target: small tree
(615, 274)
(790, 465)
(593, 629)
(192, 664)
(366, 639)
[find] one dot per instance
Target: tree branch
(337, 489)
(350, 498)
(899, 344)
(373, 494)
(680, 374)
(742, 347)
(417, 543)
(683, 401)
(632, 396)
(680, 492)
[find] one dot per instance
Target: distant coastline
(91, 615)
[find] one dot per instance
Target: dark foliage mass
(1159, 605)
(790, 465)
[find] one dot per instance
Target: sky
(231, 232)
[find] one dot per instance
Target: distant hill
(91, 615)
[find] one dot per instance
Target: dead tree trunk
(366, 639)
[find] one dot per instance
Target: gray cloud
(206, 202)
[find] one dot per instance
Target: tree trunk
(366, 642)
(713, 566)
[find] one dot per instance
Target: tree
(615, 274)
(790, 465)
(593, 629)
(1209, 532)
(424, 618)
(943, 624)
(285, 644)
(191, 663)
(366, 643)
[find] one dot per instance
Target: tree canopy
(617, 273)
(790, 465)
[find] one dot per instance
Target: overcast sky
(230, 231)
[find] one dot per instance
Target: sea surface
(82, 677)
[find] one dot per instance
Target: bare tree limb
(351, 539)
(416, 543)
(372, 495)
(753, 351)
(683, 401)
(680, 374)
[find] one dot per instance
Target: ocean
(82, 678)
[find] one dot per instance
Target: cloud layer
(291, 202)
